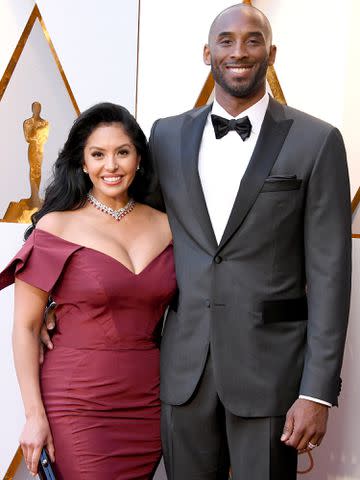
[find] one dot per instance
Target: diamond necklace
(117, 214)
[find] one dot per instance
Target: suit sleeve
(155, 198)
(327, 244)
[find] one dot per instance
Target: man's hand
(48, 325)
(305, 422)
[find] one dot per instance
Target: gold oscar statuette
(36, 132)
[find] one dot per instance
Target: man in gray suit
(260, 213)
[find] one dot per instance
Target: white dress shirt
(222, 164)
(223, 161)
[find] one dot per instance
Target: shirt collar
(256, 112)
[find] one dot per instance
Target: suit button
(208, 303)
(217, 259)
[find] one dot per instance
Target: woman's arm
(30, 303)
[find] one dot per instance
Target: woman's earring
(84, 170)
(138, 167)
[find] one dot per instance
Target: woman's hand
(36, 435)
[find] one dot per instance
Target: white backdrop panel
(11, 409)
(96, 42)
(13, 17)
(352, 95)
(36, 77)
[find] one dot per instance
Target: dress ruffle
(39, 262)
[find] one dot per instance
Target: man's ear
(272, 55)
(207, 55)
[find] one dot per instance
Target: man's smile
(239, 69)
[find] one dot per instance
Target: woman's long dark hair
(69, 185)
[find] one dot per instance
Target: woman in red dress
(106, 259)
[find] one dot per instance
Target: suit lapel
(191, 135)
(271, 138)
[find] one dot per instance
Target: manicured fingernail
(51, 326)
(283, 436)
(50, 346)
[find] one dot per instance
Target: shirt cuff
(305, 397)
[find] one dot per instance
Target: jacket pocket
(279, 183)
(287, 310)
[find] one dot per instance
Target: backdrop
(147, 55)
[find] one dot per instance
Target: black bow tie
(222, 126)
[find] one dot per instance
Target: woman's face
(111, 160)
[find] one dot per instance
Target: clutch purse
(45, 470)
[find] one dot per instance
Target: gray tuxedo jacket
(271, 300)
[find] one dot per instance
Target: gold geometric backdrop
(37, 106)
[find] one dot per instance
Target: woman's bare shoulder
(160, 219)
(54, 222)
(154, 214)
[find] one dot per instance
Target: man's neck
(236, 105)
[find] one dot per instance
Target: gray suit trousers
(201, 439)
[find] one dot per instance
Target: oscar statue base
(20, 212)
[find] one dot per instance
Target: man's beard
(241, 90)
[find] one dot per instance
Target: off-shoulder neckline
(170, 244)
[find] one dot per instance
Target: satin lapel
(272, 135)
(191, 135)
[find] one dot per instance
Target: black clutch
(45, 470)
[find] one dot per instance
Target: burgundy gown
(100, 383)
